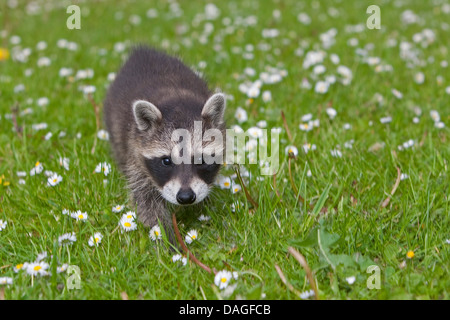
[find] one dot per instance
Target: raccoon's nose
(186, 196)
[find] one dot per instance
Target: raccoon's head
(183, 170)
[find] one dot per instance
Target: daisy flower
(117, 208)
(127, 224)
(204, 218)
(191, 236)
(38, 168)
(64, 162)
(350, 280)
(155, 233)
(222, 279)
(308, 146)
(306, 294)
(291, 150)
(103, 135)
(397, 93)
(103, 167)
(236, 206)
(435, 116)
(96, 239)
(38, 268)
(53, 180)
(79, 216)
(6, 280)
(41, 256)
(386, 120)
(331, 113)
(419, 78)
(62, 268)
(336, 153)
(129, 215)
(321, 87)
(224, 182)
(241, 115)
(67, 239)
(236, 188)
(306, 126)
(179, 257)
(3, 224)
(20, 266)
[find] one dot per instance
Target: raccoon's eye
(166, 161)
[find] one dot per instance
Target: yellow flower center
(19, 266)
(127, 224)
(37, 268)
(80, 216)
(54, 180)
(37, 164)
(193, 236)
(223, 280)
(410, 254)
(129, 216)
(97, 240)
(226, 184)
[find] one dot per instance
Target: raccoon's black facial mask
(162, 170)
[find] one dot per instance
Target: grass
(341, 229)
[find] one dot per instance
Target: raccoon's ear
(214, 109)
(146, 114)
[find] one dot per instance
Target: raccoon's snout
(186, 196)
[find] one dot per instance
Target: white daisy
(127, 224)
(241, 115)
(336, 153)
(6, 280)
(38, 168)
(67, 239)
(397, 93)
(331, 113)
(103, 134)
(79, 216)
(53, 180)
(236, 188)
(204, 218)
(155, 233)
(291, 150)
(191, 236)
(435, 116)
(306, 126)
(38, 268)
(224, 182)
(64, 162)
(20, 266)
(117, 208)
(306, 294)
(321, 87)
(103, 167)
(3, 224)
(129, 215)
(222, 279)
(308, 146)
(350, 280)
(96, 239)
(62, 268)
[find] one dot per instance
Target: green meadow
(362, 188)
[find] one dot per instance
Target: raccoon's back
(154, 76)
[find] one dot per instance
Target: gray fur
(152, 95)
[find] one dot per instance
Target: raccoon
(152, 95)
